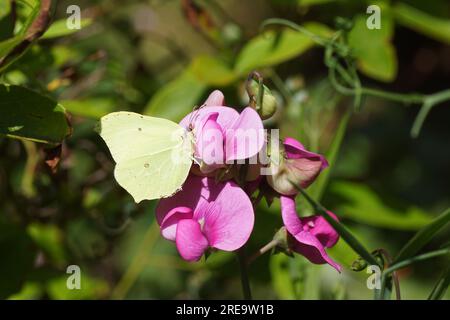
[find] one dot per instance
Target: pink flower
(206, 214)
(310, 235)
(216, 98)
(223, 135)
(297, 165)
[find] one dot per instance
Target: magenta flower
(223, 135)
(310, 235)
(297, 165)
(206, 214)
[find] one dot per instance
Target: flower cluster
(214, 208)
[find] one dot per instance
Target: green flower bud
(269, 102)
(359, 264)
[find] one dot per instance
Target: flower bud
(359, 265)
(269, 102)
(297, 165)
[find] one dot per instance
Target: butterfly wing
(153, 156)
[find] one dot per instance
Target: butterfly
(153, 155)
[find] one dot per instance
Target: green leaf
(18, 254)
(424, 236)
(363, 205)
(375, 54)
(177, 98)
(7, 45)
(307, 3)
(30, 291)
(30, 11)
(4, 8)
(6, 20)
(50, 239)
(422, 22)
(25, 114)
(90, 288)
(408, 261)
(59, 28)
(212, 71)
(90, 107)
(441, 286)
(274, 47)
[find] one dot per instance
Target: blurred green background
(163, 57)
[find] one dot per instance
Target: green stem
(421, 257)
(385, 291)
(27, 185)
(276, 21)
(353, 86)
(397, 97)
(386, 288)
(429, 102)
(394, 278)
(244, 275)
(272, 244)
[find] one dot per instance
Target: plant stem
(336, 51)
(244, 275)
(385, 290)
(429, 102)
(272, 244)
(421, 257)
(27, 185)
(395, 280)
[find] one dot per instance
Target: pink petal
(194, 193)
(322, 230)
(191, 243)
(209, 143)
(295, 150)
(306, 243)
(228, 220)
(216, 98)
(302, 171)
(292, 147)
(170, 221)
(227, 116)
(246, 137)
(289, 215)
(309, 246)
